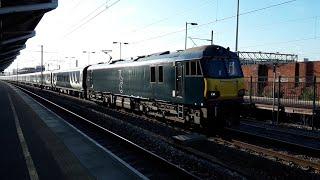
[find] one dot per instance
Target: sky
(151, 26)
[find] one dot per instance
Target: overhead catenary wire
(194, 44)
(269, 24)
(90, 19)
(168, 17)
(92, 12)
(78, 3)
(215, 21)
(284, 42)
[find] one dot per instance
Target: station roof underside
(18, 20)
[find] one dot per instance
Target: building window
(152, 74)
(160, 73)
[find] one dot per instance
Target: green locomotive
(202, 85)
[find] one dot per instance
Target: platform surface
(38, 144)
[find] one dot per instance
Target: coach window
(70, 77)
(73, 77)
(152, 74)
(160, 73)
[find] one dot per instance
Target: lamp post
(212, 37)
(89, 52)
(115, 42)
(202, 39)
(185, 41)
(237, 28)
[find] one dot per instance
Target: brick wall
(250, 70)
(296, 78)
(316, 68)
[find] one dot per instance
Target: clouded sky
(151, 26)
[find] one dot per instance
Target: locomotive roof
(192, 53)
(197, 52)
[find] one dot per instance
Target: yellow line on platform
(30, 165)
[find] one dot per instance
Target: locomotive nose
(222, 88)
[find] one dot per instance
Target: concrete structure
(37, 144)
(18, 19)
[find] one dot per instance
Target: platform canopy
(18, 19)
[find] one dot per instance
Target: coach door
(179, 79)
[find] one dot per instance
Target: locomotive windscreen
(222, 68)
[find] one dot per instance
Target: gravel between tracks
(155, 136)
(144, 137)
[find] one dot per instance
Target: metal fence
(301, 92)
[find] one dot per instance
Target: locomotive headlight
(213, 94)
(241, 92)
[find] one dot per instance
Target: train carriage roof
(68, 70)
(189, 54)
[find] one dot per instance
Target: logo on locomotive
(120, 82)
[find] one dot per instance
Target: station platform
(37, 144)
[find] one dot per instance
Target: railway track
(145, 161)
(229, 159)
(297, 143)
(280, 156)
(309, 134)
(277, 139)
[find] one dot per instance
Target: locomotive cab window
(160, 73)
(231, 68)
(187, 68)
(199, 72)
(193, 68)
(152, 74)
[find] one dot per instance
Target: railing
(300, 92)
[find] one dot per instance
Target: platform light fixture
(89, 52)
(115, 42)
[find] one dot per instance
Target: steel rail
(301, 134)
(179, 170)
(279, 155)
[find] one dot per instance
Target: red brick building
(297, 78)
